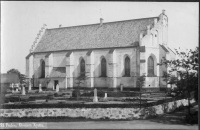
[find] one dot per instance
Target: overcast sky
(21, 22)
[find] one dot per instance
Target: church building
(110, 54)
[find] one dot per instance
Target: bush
(192, 118)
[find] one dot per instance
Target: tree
(22, 77)
(186, 66)
(140, 83)
(80, 79)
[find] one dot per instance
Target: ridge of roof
(103, 23)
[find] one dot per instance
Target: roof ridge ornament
(101, 21)
(38, 36)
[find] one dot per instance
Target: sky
(22, 20)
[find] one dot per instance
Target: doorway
(55, 84)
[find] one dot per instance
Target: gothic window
(42, 63)
(82, 67)
(103, 67)
(150, 66)
(127, 67)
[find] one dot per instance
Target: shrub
(192, 118)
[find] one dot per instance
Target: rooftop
(94, 36)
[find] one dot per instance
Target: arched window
(150, 66)
(82, 67)
(42, 63)
(103, 67)
(127, 66)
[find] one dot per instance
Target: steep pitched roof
(164, 48)
(112, 34)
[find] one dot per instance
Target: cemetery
(87, 103)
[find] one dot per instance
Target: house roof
(10, 78)
(109, 35)
(164, 48)
(58, 72)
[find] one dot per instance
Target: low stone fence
(96, 113)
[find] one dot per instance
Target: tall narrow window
(150, 66)
(127, 66)
(103, 67)
(42, 69)
(82, 67)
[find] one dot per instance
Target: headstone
(95, 96)
(40, 87)
(29, 87)
(57, 88)
(12, 87)
(105, 95)
(121, 87)
(17, 86)
(17, 90)
(23, 90)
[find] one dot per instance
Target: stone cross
(121, 87)
(40, 87)
(23, 90)
(57, 88)
(105, 95)
(95, 96)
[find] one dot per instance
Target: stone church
(111, 54)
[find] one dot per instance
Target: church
(109, 54)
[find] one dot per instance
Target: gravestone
(12, 87)
(121, 87)
(57, 88)
(17, 90)
(29, 87)
(23, 90)
(95, 99)
(40, 87)
(105, 95)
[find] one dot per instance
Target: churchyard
(83, 103)
(83, 95)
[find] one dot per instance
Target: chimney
(163, 11)
(60, 25)
(101, 21)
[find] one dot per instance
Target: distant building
(112, 53)
(7, 80)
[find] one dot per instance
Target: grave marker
(29, 87)
(95, 96)
(40, 87)
(105, 95)
(57, 88)
(121, 87)
(23, 90)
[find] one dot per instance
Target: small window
(127, 67)
(103, 67)
(150, 66)
(82, 67)
(42, 64)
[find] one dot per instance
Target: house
(112, 54)
(7, 80)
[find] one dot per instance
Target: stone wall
(96, 113)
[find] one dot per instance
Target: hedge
(83, 105)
